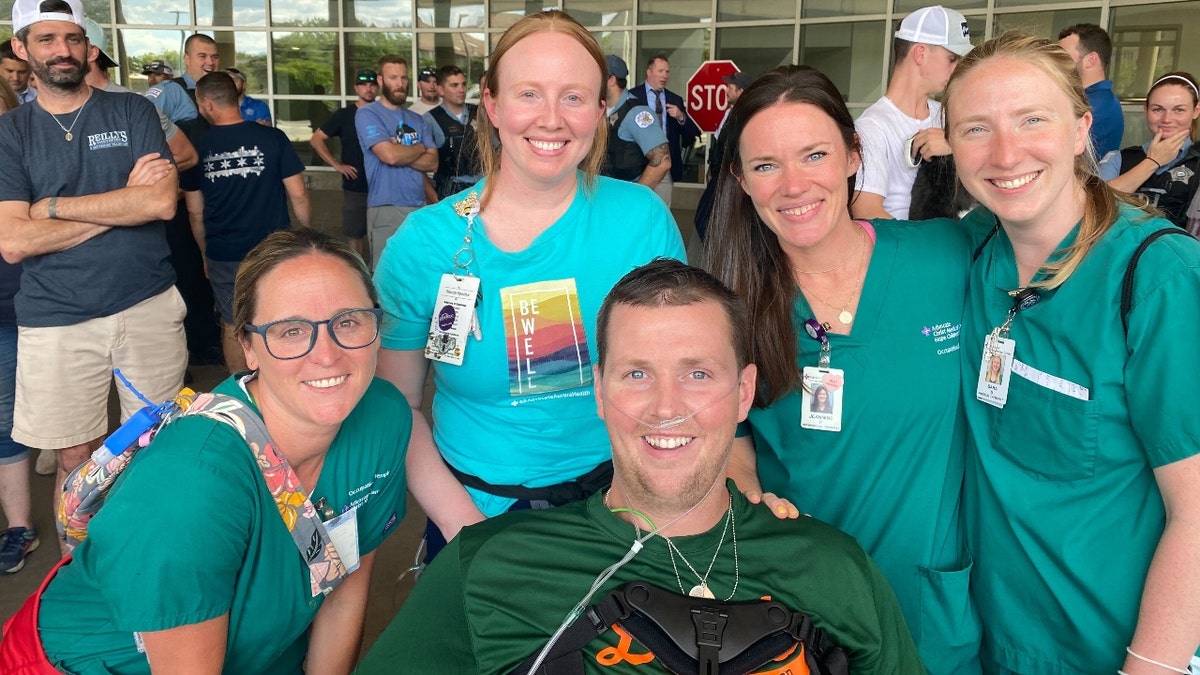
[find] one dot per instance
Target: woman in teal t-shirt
(1083, 490)
(865, 315)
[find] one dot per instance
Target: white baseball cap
(28, 12)
(937, 25)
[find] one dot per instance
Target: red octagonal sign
(707, 99)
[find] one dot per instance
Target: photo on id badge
(995, 369)
(821, 399)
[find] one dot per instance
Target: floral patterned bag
(86, 488)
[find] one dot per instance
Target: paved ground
(390, 585)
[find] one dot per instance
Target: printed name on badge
(821, 398)
(995, 370)
(453, 317)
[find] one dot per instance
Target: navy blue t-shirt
(10, 282)
(341, 123)
(110, 272)
(240, 174)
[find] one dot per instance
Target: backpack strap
(303, 520)
(1127, 281)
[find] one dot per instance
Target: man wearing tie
(668, 107)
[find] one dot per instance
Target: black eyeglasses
(293, 338)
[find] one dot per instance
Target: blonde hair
(549, 21)
(1100, 208)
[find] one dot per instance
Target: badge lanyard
(459, 294)
(995, 368)
(821, 397)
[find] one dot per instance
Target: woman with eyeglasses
(193, 563)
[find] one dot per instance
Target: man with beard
(397, 151)
(673, 380)
(86, 180)
(354, 174)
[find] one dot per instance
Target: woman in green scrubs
(1083, 490)
(867, 314)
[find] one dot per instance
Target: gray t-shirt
(110, 272)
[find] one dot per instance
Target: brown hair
(392, 59)
(280, 247)
(1101, 202)
(742, 251)
(8, 96)
(1183, 79)
(666, 282)
(549, 21)
(1092, 38)
(219, 88)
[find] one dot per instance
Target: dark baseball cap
(365, 75)
(740, 79)
(159, 67)
(616, 66)
(427, 72)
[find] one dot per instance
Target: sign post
(707, 98)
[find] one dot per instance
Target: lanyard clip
(817, 332)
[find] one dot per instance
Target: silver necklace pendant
(701, 591)
(69, 136)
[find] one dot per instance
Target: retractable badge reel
(821, 396)
(995, 368)
(456, 310)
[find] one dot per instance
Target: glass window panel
(508, 12)
(298, 118)
(250, 56)
(465, 50)
(813, 9)
(906, 7)
(139, 47)
(752, 10)
(619, 42)
(363, 50)
(1044, 23)
(1148, 41)
(135, 11)
(305, 62)
(673, 11)
(686, 50)
(304, 13)
(755, 50)
(231, 13)
(378, 13)
(450, 13)
(600, 12)
(829, 47)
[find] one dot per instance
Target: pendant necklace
(702, 590)
(67, 130)
(845, 316)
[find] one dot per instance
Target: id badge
(454, 316)
(821, 399)
(995, 370)
(343, 531)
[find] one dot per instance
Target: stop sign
(707, 99)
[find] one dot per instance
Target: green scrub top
(1062, 507)
(892, 477)
(190, 532)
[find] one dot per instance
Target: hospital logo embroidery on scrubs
(644, 119)
(944, 336)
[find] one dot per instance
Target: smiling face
(663, 363)
(546, 107)
(56, 52)
(318, 390)
(201, 58)
(794, 166)
(1015, 139)
(1170, 109)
